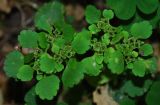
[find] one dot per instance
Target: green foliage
(25, 73)
(153, 95)
(92, 14)
(13, 62)
(47, 87)
(125, 9)
(59, 53)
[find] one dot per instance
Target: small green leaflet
(25, 73)
(42, 40)
(105, 39)
(151, 64)
(58, 44)
(92, 14)
(73, 73)
(139, 68)
(146, 50)
(108, 14)
(141, 30)
(47, 87)
(28, 39)
(81, 42)
(153, 95)
(47, 64)
(30, 97)
(68, 32)
(108, 54)
(93, 29)
(13, 62)
(91, 66)
(116, 62)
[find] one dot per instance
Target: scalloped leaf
(124, 9)
(28, 39)
(139, 68)
(47, 63)
(116, 62)
(48, 15)
(81, 42)
(25, 73)
(14, 60)
(108, 14)
(147, 6)
(30, 97)
(73, 73)
(91, 66)
(47, 87)
(141, 30)
(153, 95)
(92, 14)
(146, 50)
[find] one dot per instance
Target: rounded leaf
(25, 73)
(147, 6)
(47, 87)
(124, 9)
(14, 60)
(108, 14)
(28, 39)
(146, 50)
(92, 14)
(141, 30)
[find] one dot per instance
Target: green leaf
(42, 40)
(116, 38)
(81, 42)
(55, 48)
(14, 60)
(153, 95)
(30, 97)
(99, 58)
(48, 15)
(58, 44)
(91, 66)
(108, 14)
(141, 30)
(59, 67)
(28, 39)
(28, 58)
(47, 87)
(108, 54)
(116, 62)
(68, 33)
(139, 68)
(151, 64)
(73, 73)
(132, 90)
(47, 64)
(147, 6)
(93, 29)
(25, 73)
(124, 9)
(92, 14)
(105, 39)
(146, 50)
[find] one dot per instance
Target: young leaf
(151, 64)
(25, 73)
(105, 39)
(139, 68)
(47, 87)
(42, 40)
(30, 97)
(153, 95)
(141, 30)
(28, 39)
(116, 62)
(146, 50)
(91, 66)
(81, 42)
(13, 62)
(147, 6)
(94, 29)
(47, 64)
(73, 73)
(92, 14)
(108, 54)
(108, 14)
